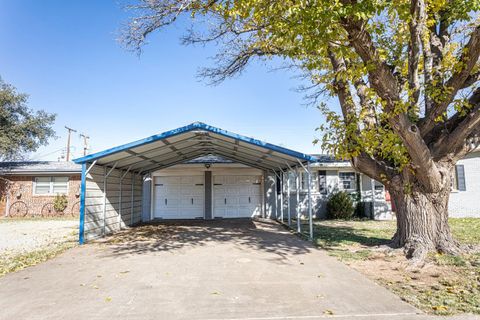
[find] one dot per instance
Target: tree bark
(422, 220)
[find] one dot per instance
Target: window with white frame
(293, 180)
(50, 185)
(313, 182)
(348, 180)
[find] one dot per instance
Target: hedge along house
(159, 178)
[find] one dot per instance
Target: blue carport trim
(191, 127)
(81, 227)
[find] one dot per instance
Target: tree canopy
(22, 130)
(405, 73)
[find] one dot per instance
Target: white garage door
(236, 196)
(179, 197)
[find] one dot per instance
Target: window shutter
(460, 171)
(322, 181)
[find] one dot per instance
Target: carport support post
(297, 182)
(281, 196)
(310, 218)
(275, 195)
(288, 200)
(131, 203)
(104, 208)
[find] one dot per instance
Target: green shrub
(340, 206)
(60, 203)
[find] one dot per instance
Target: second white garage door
(236, 196)
(179, 197)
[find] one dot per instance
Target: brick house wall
(21, 195)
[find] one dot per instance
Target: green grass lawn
(446, 285)
(333, 233)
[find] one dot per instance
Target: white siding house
(465, 196)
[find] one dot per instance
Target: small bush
(60, 203)
(340, 206)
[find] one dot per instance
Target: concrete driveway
(237, 269)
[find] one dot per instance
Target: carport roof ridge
(192, 127)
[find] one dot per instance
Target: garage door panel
(219, 212)
(198, 180)
(191, 202)
(179, 197)
(232, 201)
(244, 200)
(246, 211)
(219, 202)
(190, 214)
(231, 190)
(237, 196)
(230, 180)
(218, 179)
(173, 202)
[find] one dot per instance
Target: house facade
(330, 176)
(29, 188)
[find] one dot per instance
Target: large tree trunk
(422, 221)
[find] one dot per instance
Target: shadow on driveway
(173, 235)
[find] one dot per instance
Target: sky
(65, 55)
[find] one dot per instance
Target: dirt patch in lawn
(28, 242)
(445, 285)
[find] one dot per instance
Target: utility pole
(85, 142)
(70, 130)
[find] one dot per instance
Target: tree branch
(417, 26)
(373, 168)
(469, 58)
(368, 107)
(458, 128)
(385, 84)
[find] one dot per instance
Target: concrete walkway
(197, 270)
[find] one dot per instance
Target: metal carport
(112, 180)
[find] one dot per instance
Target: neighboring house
(33, 185)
